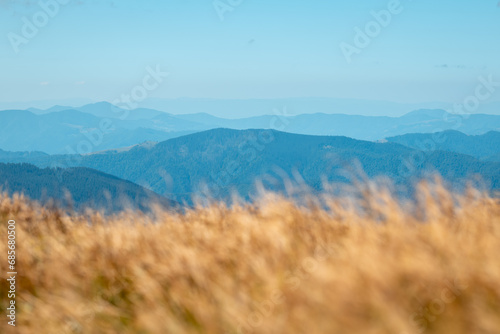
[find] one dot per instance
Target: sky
(426, 50)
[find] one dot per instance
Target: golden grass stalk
(272, 267)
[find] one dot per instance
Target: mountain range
(102, 126)
(145, 152)
(224, 162)
(238, 108)
(76, 131)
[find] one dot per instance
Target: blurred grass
(372, 265)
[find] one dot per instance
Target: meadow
(368, 264)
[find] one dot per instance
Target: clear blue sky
(97, 49)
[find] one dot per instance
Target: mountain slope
(480, 146)
(71, 131)
(87, 187)
(6, 156)
(225, 161)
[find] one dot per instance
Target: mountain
(356, 126)
(44, 104)
(481, 146)
(88, 188)
(238, 108)
(108, 110)
(55, 108)
(72, 131)
(102, 110)
(13, 156)
(226, 161)
(169, 123)
(102, 126)
(24, 131)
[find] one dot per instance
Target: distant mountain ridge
(5, 155)
(361, 127)
(485, 146)
(74, 131)
(246, 108)
(102, 126)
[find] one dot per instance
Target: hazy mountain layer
(480, 146)
(102, 126)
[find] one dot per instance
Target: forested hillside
(87, 188)
(223, 161)
(484, 146)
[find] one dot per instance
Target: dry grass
(274, 267)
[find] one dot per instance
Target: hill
(480, 146)
(223, 161)
(495, 157)
(88, 188)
